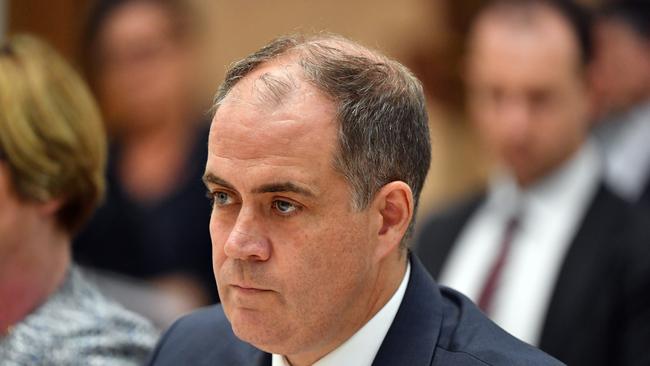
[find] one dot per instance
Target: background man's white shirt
(550, 213)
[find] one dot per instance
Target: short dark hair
(381, 110)
(576, 16)
(634, 13)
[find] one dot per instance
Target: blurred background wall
(3, 17)
(426, 35)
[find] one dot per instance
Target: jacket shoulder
(467, 337)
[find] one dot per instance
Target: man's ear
(51, 206)
(394, 208)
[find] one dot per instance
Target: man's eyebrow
(284, 187)
(213, 179)
(209, 178)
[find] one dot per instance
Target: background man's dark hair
(577, 17)
(381, 110)
(634, 13)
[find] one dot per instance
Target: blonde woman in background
(52, 159)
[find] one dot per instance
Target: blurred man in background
(622, 75)
(52, 158)
(548, 252)
(141, 60)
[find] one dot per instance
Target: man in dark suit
(622, 68)
(548, 252)
(317, 154)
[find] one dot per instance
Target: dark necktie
(492, 280)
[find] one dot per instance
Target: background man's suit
(434, 326)
(599, 311)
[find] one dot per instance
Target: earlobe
(395, 207)
(51, 207)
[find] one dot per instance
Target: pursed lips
(248, 289)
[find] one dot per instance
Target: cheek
(219, 231)
(14, 220)
(330, 259)
(493, 135)
(565, 128)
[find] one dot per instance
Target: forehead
(539, 50)
(250, 128)
(130, 21)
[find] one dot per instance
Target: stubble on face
(318, 280)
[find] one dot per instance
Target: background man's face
(292, 259)
(526, 93)
(622, 66)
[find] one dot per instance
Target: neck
(30, 274)
(387, 280)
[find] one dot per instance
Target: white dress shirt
(549, 214)
(626, 147)
(362, 347)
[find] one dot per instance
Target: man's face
(292, 258)
(145, 68)
(526, 94)
(622, 66)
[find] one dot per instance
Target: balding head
(380, 106)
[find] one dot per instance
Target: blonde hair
(51, 133)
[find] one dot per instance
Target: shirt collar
(362, 347)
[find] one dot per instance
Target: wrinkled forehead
(270, 85)
(273, 109)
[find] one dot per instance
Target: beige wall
(239, 27)
(234, 28)
(3, 18)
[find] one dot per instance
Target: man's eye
(284, 207)
(220, 198)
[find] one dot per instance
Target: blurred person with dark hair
(548, 252)
(622, 75)
(52, 158)
(141, 60)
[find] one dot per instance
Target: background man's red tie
(492, 281)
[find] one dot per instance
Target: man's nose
(246, 240)
(516, 118)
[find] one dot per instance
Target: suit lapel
(261, 359)
(413, 335)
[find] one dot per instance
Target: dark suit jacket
(433, 326)
(599, 312)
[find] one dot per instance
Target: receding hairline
(271, 87)
(293, 55)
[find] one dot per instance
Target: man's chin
(263, 337)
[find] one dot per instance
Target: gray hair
(383, 127)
